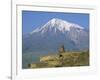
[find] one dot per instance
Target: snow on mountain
(57, 24)
(55, 33)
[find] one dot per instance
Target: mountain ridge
(59, 24)
(53, 34)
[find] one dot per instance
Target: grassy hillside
(65, 59)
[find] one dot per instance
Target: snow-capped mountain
(53, 34)
(57, 24)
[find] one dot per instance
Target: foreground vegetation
(63, 59)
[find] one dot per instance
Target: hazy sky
(34, 19)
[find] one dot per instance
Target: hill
(65, 59)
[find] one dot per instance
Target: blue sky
(34, 19)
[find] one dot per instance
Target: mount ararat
(56, 32)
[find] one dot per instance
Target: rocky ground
(65, 59)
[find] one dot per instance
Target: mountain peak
(56, 19)
(57, 24)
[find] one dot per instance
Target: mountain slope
(57, 24)
(56, 32)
